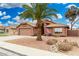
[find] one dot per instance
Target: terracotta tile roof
(57, 25)
(26, 24)
(8, 27)
(52, 24)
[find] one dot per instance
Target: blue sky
(9, 13)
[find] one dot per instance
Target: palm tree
(38, 12)
(72, 14)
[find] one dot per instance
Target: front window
(58, 30)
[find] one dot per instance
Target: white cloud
(67, 20)
(13, 23)
(6, 17)
(64, 3)
(21, 21)
(16, 18)
(27, 20)
(59, 16)
(10, 22)
(1, 13)
(71, 5)
(4, 13)
(19, 12)
(16, 23)
(10, 5)
(3, 5)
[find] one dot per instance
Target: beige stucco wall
(51, 31)
(64, 32)
(12, 32)
(26, 31)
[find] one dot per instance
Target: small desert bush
(64, 46)
(74, 44)
(51, 41)
(71, 43)
(65, 40)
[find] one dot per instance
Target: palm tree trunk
(39, 23)
(71, 26)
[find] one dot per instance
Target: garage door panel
(27, 31)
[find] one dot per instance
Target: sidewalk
(12, 37)
(28, 50)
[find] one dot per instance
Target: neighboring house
(48, 28)
(11, 30)
(2, 28)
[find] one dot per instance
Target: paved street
(5, 52)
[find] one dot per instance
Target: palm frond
(38, 11)
(26, 6)
(48, 17)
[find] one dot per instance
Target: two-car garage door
(26, 31)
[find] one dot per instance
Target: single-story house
(55, 29)
(25, 29)
(11, 30)
(2, 28)
(48, 28)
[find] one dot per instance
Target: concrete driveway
(4, 38)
